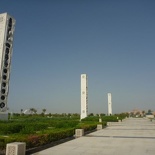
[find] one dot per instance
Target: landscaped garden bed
(40, 131)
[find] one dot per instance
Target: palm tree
(35, 111)
(149, 111)
(21, 111)
(43, 111)
(143, 112)
(32, 110)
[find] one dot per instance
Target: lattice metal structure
(7, 27)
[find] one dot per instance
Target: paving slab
(132, 136)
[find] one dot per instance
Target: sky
(55, 41)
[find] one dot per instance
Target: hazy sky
(55, 41)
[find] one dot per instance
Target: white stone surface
(149, 116)
(109, 104)
(134, 136)
(79, 132)
(7, 27)
(99, 126)
(84, 96)
(108, 123)
(16, 148)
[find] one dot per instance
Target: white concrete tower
(109, 104)
(84, 96)
(7, 27)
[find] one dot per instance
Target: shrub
(87, 127)
(50, 136)
(109, 119)
(2, 143)
(66, 124)
(91, 118)
(9, 128)
(9, 139)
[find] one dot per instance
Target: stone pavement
(133, 136)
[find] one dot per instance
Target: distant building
(136, 113)
(84, 96)
(141, 113)
(149, 114)
(153, 113)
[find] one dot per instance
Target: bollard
(108, 123)
(79, 132)
(100, 120)
(16, 148)
(99, 127)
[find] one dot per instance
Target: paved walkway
(133, 136)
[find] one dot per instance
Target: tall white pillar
(109, 104)
(84, 96)
(7, 27)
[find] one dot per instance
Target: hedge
(35, 140)
(42, 139)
